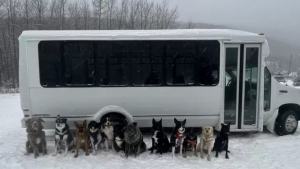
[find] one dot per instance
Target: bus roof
(170, 34)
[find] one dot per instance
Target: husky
(63, 136)
(95, 136)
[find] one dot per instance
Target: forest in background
(19, 15)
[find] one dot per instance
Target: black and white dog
(95, 136)
(160, 141)
(221, 141)
(63, 136)
(178, 136)
(107, 133)
(119, 142)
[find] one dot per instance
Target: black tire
(280, 123)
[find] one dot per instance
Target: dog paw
(208, 158)
(201, 157)
(26, 153)
(54, 155)
(184, 156)
(227, 157)
(93, 153)
(86, 154)
(160, 155)
(76, 155)
(65, 155)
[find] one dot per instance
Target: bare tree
(190, 24)
(26, 11)
(99, 9)
(39, 9)
(74, 15)
(62, 7)
(122, 14)
(86, 13)
(110, 12)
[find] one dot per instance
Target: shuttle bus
(207, 76)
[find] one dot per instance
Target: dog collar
(192, 142)
(179, 135)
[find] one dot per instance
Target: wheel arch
(290, 106)
(113, 109)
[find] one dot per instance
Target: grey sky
(278, 18)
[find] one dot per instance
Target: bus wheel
(286, 123)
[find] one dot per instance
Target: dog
(191, 141)
(134, 143)
(160, 141)
(107, 133)
(63, 136)
(206, 140)
(178, 136)
(36, 137)
(95, 136)
(119, 142)
(82, 136)
(221, 141)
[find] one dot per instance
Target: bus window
(180, 63)
(147, 63)
(79, 63)
(209, 63)
(49, 61)
(267, 90)
(113, 68)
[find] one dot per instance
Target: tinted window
(79, 63)
(113, 68)
(267, 90)
(180, 63)
(209, 62)
(50, 63)
(147, 63)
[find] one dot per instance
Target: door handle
(283, 91)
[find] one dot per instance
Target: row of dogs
(124, 136)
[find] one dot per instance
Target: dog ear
(222, 124)
(175, 120)
(184, 121)
(76, 124)
(27, 122)
(160, 120)
(135, 124)
(153, 121)
(84, 123)
(58, 116)
(41, 120)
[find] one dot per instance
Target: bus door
(241, 89)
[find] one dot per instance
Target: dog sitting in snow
(205, 145)
(63, 136)
(134, 142)
(107, 133)
(82, 137)
(221, 141)
(190, 143)
(178, 136)
(95, 136)
(36, 137)
(160, 141)
(119, 142)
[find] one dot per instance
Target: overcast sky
(279, 18)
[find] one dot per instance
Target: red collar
(179, 135)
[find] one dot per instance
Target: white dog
(206, 141)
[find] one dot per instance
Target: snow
(196, 34)
(248, 150)
(290, 83)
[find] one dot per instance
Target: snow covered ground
(248, 151)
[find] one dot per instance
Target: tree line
(19, 15)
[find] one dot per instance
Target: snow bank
(248, 151)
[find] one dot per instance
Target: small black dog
(36, 137)
(190, 143)
(119, 142)
(63, 136)
(178, 136)
(95, 136)
(160, 141)
(221, 141)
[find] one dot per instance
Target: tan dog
(206, 141)
(82, 136)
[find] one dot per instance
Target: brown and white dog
(206, 141)
(82, 136)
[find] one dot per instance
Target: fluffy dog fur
(107, 133)
(206, 140)
(36, 137)
(222, 140)
(160, 141)
(95, 136)
(178, 136)
(63, 136)
(119, 142)
(82, 136)
(134, 143)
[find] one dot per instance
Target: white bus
(205, 76)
